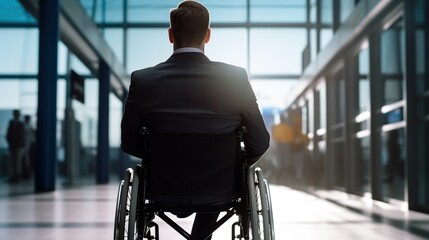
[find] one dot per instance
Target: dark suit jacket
(191, 94)
(15, 134)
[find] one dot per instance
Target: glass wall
(278, 11)
(361, 123)
(337, 108)
(393, 139)
(18, 81)
(346, 8)
(320, 138)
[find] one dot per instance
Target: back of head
(16, 114)
(189, 23)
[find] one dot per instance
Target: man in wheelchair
(186, 118)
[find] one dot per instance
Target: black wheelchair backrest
(193, 168)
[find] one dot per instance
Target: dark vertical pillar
(411, 106)
(103, 123)
(329, 159)
(123, 157)
(47, 96)
(318, 24)
(336, 17)
(376, 87)
(350, 113)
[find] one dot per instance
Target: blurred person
(299, 144)
(299, 148)
(15, 140)
(282, 136)
(191, 94)
(29, 139)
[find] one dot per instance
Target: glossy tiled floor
(87, 213)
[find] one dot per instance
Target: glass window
(228, 45)
(325, 37)
(115, 39)
(78, 66)
(61, 94)
(393, 163)
(313, 11)
(346, 8)
(363, 165)
(322, 106)
(62, 58)
(276, 51)
(393, 90)
(115, 117)
(104, 10)
(147, 47)
(327, 15)
(87, 114)
(363, 70)
(278, 11)
(149, 11)
(273, 93)
(313, 43)
(12, 11)
(222, 11)
(159, 11)
(338, 156)
(29, 93)
(10, 89)
(340, 97)
(18, 55)
(420, 9)
(394, 116)
(392, 57)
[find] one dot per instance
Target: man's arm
(131, 140)
(257, 140)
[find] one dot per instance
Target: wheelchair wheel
(140, 225)
(261, 223)
(132, 220)
(117, 212)
(122, 207)
(267, 210)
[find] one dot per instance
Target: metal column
(411, 106)
(103, 124)
(123, 157)
(376, 87)
(47, 96)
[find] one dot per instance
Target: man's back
(190, 94)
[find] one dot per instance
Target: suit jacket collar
(187, 56)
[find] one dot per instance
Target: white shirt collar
(187, 50)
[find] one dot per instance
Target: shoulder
(142, 72)
(229, 66)
(229, 69)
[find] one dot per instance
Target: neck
(175, 47)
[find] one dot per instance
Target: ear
(207, 39)
(170, 35)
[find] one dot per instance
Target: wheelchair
(193, 173)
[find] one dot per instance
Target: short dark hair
(189, 23)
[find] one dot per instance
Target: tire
(261, 223)
(255, 227)
(132, 223)
(123, 206)
(267, 211)
(117, 212)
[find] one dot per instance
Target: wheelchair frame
(134, 213)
